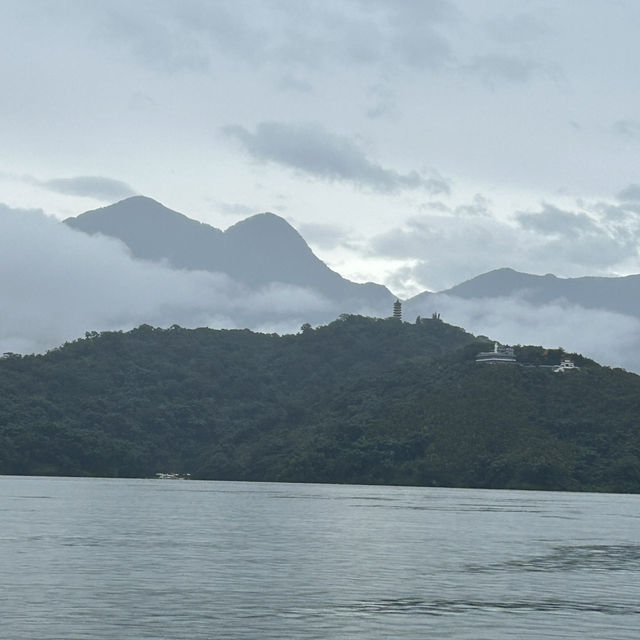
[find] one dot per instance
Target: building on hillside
(566, 364)
(499, 355)
(397, 310)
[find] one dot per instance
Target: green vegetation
(361, 400)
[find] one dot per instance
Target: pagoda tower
(397, 310)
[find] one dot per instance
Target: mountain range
(256, 252)
(358, 399)
(265, 248)
(272, 263)
(617, 294)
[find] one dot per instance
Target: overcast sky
(416, 144)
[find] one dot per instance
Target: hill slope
(618, 294)
(257, 251)
(360, 400)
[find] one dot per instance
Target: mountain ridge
(620, 294)
(265, 248)
(257, 251)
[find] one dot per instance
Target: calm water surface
(115, 559)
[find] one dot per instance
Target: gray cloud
(422, 47)
(440, 207)
(365, 34)
(621, 217)
(318, 153)
(517, 28)
(294, 84)
(66, 283)
(89, 186)
(445, 249)
(469, 231)
(436, 185)
(479, 207)
(610, 338)
(552, 221)
(325, 236)
(301, 37)
(626, 128)
(235, 209)
(415, 31)
(497, 67)
(411, 12)
(139, 101)
(384, 102)
(602, 238)
(205, 63)
(631, 193)
(309, 35)
(165, 39)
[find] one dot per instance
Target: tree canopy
(360, 400)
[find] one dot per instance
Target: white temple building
(565, 365)
(500, 354)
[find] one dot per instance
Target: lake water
(119, 559)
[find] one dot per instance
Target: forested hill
(361, 400)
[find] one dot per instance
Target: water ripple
(597, 557)
(416, 606)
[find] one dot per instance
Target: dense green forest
(360, 400)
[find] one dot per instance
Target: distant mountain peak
(139, 199)
(257, 251)
(136, 207)
(267, 227)
(265, 220)
(615, 294)
(500, 270)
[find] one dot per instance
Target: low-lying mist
(59, 283)
(611, 339)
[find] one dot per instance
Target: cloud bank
(89, 186)
(311, 149)
(611, 339)
(64, 283)
(447, 246)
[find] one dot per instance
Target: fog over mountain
(412, 144)
(138, 262)
(258, 251)
(596, 316)
(619, 295)
(60, 282)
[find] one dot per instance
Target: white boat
(173, 476)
